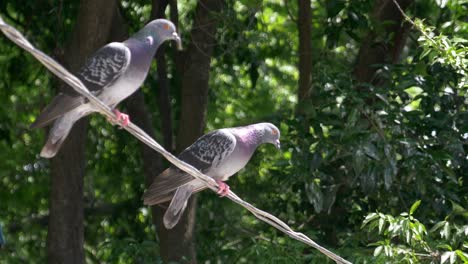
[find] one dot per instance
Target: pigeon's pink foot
(223, 188)
(124, 119)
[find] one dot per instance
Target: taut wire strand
(15, 36)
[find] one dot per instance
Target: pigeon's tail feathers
(51, 148)
(157, 199)
(59, 106)
(177, 206)
(59, 132)
(164, 185)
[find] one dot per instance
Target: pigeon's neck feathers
(137, 45)
(145, 40)
(143, 33)
(250, 135)
(141, 54)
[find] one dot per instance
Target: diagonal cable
(15, 36)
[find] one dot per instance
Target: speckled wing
(105, 66)
(207, 152)
(100, 71)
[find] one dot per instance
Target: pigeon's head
(158, 31)
(271, 134)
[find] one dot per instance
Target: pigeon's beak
(177, 40)
(277, 144)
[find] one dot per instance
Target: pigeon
(112, 74)
(218, 154)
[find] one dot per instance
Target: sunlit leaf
(415, 206)
(381, 224)
(446, 256)
(370, 217)
(378, 250)
(462, 255)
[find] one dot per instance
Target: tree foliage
(351, 166)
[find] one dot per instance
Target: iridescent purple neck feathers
(249, 135)
(256, 134)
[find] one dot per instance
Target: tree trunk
(159, 8)
(304, 25)
(164, 102)
(65, 235)
(178, 243)
(375, 49)
(152, 161)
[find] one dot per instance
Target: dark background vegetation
(372, 111)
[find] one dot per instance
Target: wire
(76, 84)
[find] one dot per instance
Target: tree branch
(75, 83)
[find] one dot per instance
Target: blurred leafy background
(375, 171)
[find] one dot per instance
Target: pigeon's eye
(149, 40)
(274, 132)
(166, 26)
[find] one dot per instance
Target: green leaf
(414, 91)
(445, 232)
(388, 176)
(425, 53)
(315, 195)
(453, 257)
(445, 256)
(334, 7)
(415, 206)
(388, 251)
(437, 226)
(369, 218)
(462, 255)
(378, 250)
(459, 40)
(441, 3)
(371, 151)
(352, 117)
(458, 209)
(445, 246)
(359, 161)
(381, 224)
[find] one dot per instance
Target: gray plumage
(218, 154)
(112, 74)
